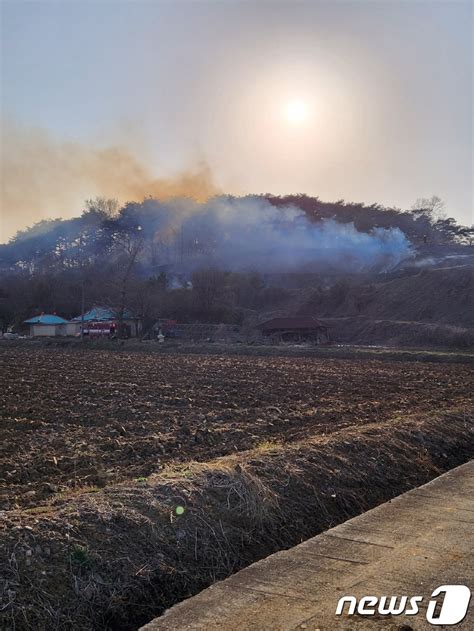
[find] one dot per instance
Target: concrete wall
(73, 328)
(48, 330)
(43, 330)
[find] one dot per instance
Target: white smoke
(250, 233)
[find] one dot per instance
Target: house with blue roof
(102, 314)
(105, 321)
(47, 325)
(98, 322)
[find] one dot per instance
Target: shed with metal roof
(295, 329)
(47, 325)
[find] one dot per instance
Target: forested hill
(60, 243)
(427, 218)
(212, 262)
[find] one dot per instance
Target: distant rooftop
(46, 318)
(100, 314)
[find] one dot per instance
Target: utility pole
(82, 310)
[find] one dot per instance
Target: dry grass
(115, 558)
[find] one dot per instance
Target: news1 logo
(448, 605)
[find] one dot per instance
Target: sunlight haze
(363, 101)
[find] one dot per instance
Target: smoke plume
(43, 178)
(250, 233)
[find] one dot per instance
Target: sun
(296, 111)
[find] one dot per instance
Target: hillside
(235, 260)
(431, 308)
(442, 295)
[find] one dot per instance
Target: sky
(363, 101)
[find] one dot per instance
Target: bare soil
(132, 480)
(74, 418)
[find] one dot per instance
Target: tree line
(116, 257)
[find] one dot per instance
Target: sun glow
(296, 112)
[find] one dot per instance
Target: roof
(293, 323)
(98, 314)
(46, 318)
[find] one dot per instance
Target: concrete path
(409, 546)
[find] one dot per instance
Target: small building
(295, 329)
(105, 322)
(47, 325)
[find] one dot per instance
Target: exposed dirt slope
(434, 295)
(444, 295)
(400, 333)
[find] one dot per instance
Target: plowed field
(74, 419)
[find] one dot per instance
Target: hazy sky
(381, 94)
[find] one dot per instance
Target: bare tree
(208, 286)
(432, 207)
(107, 208)
(128, 244)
